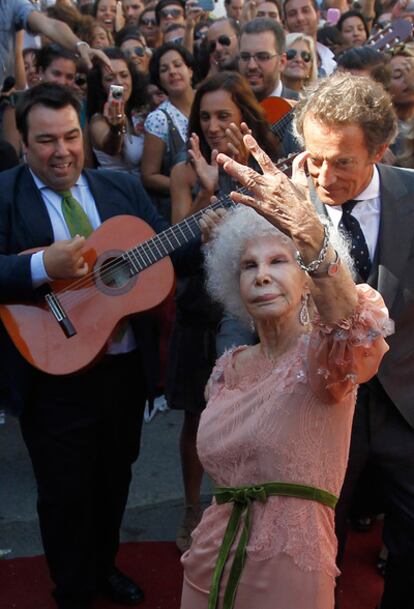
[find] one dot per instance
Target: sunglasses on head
(138, 51)
(171, 12)
(148, 21)
(225, 41)
(291, 54)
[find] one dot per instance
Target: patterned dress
(289, 422)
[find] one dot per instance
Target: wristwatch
(82, 43)
(330, 271)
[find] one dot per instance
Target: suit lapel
(33, 216)
(395, 233)
(104, 196)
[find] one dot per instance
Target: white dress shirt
(366, 211)
(277, 91)
(53, 203)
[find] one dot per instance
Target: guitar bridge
(59, 314)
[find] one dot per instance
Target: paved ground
(155, 501)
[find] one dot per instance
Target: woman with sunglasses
(224, 108)
(171, 69)
(116, 118)
(301, 67)
(133, 45)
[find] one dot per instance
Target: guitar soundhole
(113, 273)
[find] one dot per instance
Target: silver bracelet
(315, 264)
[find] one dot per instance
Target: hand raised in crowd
(273, 195)
(249, 11)
(210, 220)
(88, 55)
(236, 145)
(207, 173)
(193, 13)
(64, 259)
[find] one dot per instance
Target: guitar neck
(168, 241)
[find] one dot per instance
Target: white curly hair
(223, 255)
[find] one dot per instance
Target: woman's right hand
(114, 112)
(207, 173)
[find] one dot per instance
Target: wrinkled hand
(207, 173)
(273, 195)
(210, 220)
(236, 147)
(64, 259)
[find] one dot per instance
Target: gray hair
(223, 255)
(348, 99)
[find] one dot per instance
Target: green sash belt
(242, 497)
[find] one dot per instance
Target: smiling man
(82, 431)
(262, 58)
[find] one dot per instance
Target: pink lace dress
(289, 423)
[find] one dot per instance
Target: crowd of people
(287, 345)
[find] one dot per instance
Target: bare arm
(286, 206)
(19, 73)
(151, 163)
(62, 34)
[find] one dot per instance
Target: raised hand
(236, 147)
(207, 173)
(273, 195)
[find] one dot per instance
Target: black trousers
(83, 434)
(384, 441)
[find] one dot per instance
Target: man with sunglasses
(223, 44)
(147, 24)
(262, 58)
(169, 11)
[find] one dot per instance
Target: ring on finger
(119, 116)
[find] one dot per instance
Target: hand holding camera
(114, 109)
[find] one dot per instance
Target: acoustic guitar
(389, 38)
(69, 323)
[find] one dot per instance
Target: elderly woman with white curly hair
(275, 435)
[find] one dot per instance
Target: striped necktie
(76, 218)
(359, 249)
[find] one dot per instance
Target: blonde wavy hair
(298, 37)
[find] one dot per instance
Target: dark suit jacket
(392, 275)
(25, 223)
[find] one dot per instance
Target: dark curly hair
(244, 98)
(97, 96)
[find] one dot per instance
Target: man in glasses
(262, 58)
(169, 11)
(223, 44)
(148, 26)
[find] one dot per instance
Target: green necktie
(76, 219)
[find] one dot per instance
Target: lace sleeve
(216, 380)
(349, 352)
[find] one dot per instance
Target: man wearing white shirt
(82, 430)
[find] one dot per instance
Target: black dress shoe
(119, 588)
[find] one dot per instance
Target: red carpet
(24, 583)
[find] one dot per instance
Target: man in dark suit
(83, 430)
(346, 125)
(262, 58)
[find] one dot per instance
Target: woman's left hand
(236, 147)
(284, 203)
